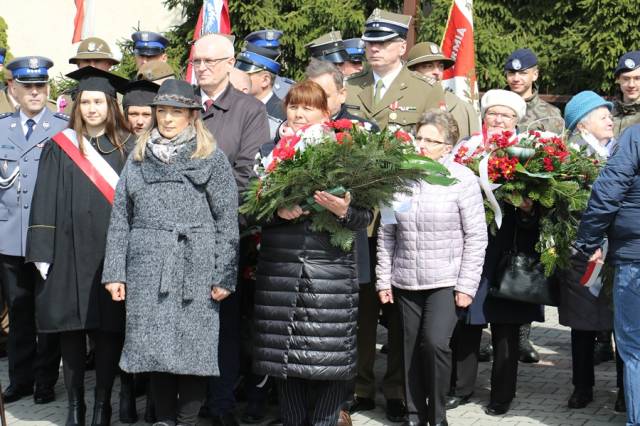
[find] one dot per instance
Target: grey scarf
(165, 149)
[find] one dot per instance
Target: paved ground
(543, 390)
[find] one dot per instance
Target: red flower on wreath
(548, 164)
(286, 147)
(341, 124)
(342, 137)
(504, 167)
(403, 136)
(503, 140)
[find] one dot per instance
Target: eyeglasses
(431, 141)
(207, 62)
(501, 115)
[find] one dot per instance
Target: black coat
(487, 309)
(306, 303)
(68, 229)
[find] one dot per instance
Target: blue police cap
(251, 62)
(520, 60)
(628, 62)
(3, 52)
(30, 69)
(147, 43)
(355, 49)
(265, 38)
(267, 52)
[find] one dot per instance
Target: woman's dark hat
(176, 93)
(97, 80)
(139, 93)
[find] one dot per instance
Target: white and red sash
(94, 166)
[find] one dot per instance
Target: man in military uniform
(427, 59)
(270, 39)
(389, 94)
(329, 47)
(355, 50)
(626, 109)
(92, 51)
(33, 358)
(521, 72)
(148, 47)
(156, 72)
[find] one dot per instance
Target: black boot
(527, 352)
(77, 409)
(149, 411)
(603, 349)
(128, 412)
(620, 406)
(102, 408)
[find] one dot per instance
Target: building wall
(45, 27)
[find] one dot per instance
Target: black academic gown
(68, 229)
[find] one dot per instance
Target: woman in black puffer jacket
(306, 300)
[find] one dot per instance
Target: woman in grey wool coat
(171, 252)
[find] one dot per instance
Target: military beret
(155, 70)
(3, 53)
(427, 52)
(265, 38)
(505, 98)
(355, 49)
(520, 60)
(30, 69)
(382, 26)
(147, 43)
(96, 80)
(94, 48)
(329, 47)
(628, 62)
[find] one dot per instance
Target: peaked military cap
(271, 53)
(382, 26)
(176, 93)
(520, 60)
(139, 93)
(265, 38)
(355, 49)
(155, 70)
(30, 69)
(427, 52)
(250, 62)
(94, 48)
(3, 52)
(97, 80)
(628, 62)
(329, 47)
(147, 43)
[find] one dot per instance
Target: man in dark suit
(239, 125)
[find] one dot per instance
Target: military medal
(394, 106)
(393, 116)
(40, 145)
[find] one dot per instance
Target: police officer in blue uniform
(148, 47)
(357, 58)
(33, 358)
(270, 39)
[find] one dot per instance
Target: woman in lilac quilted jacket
(430, 256)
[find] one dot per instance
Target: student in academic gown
(67, 236)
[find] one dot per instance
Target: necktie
(377, 96)
(30, 125)
(208, 104)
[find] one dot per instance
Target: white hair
(219, 41)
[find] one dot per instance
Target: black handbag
(521, 277)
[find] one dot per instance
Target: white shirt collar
(266, 98)
(387, 79)
(36, 118)
(204, 97)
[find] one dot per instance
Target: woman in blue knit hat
(589, 121)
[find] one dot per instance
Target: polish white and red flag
(213, 18)
(83, 23)
(457, 44)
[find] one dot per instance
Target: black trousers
(465, 347)
(428, 318)
(33, 357)
(504, 371)
(178, 398)
(108, 346)
(582, 345)
(310, 402)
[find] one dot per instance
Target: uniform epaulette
(356, 75)
(5, 115)
(62, 116)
